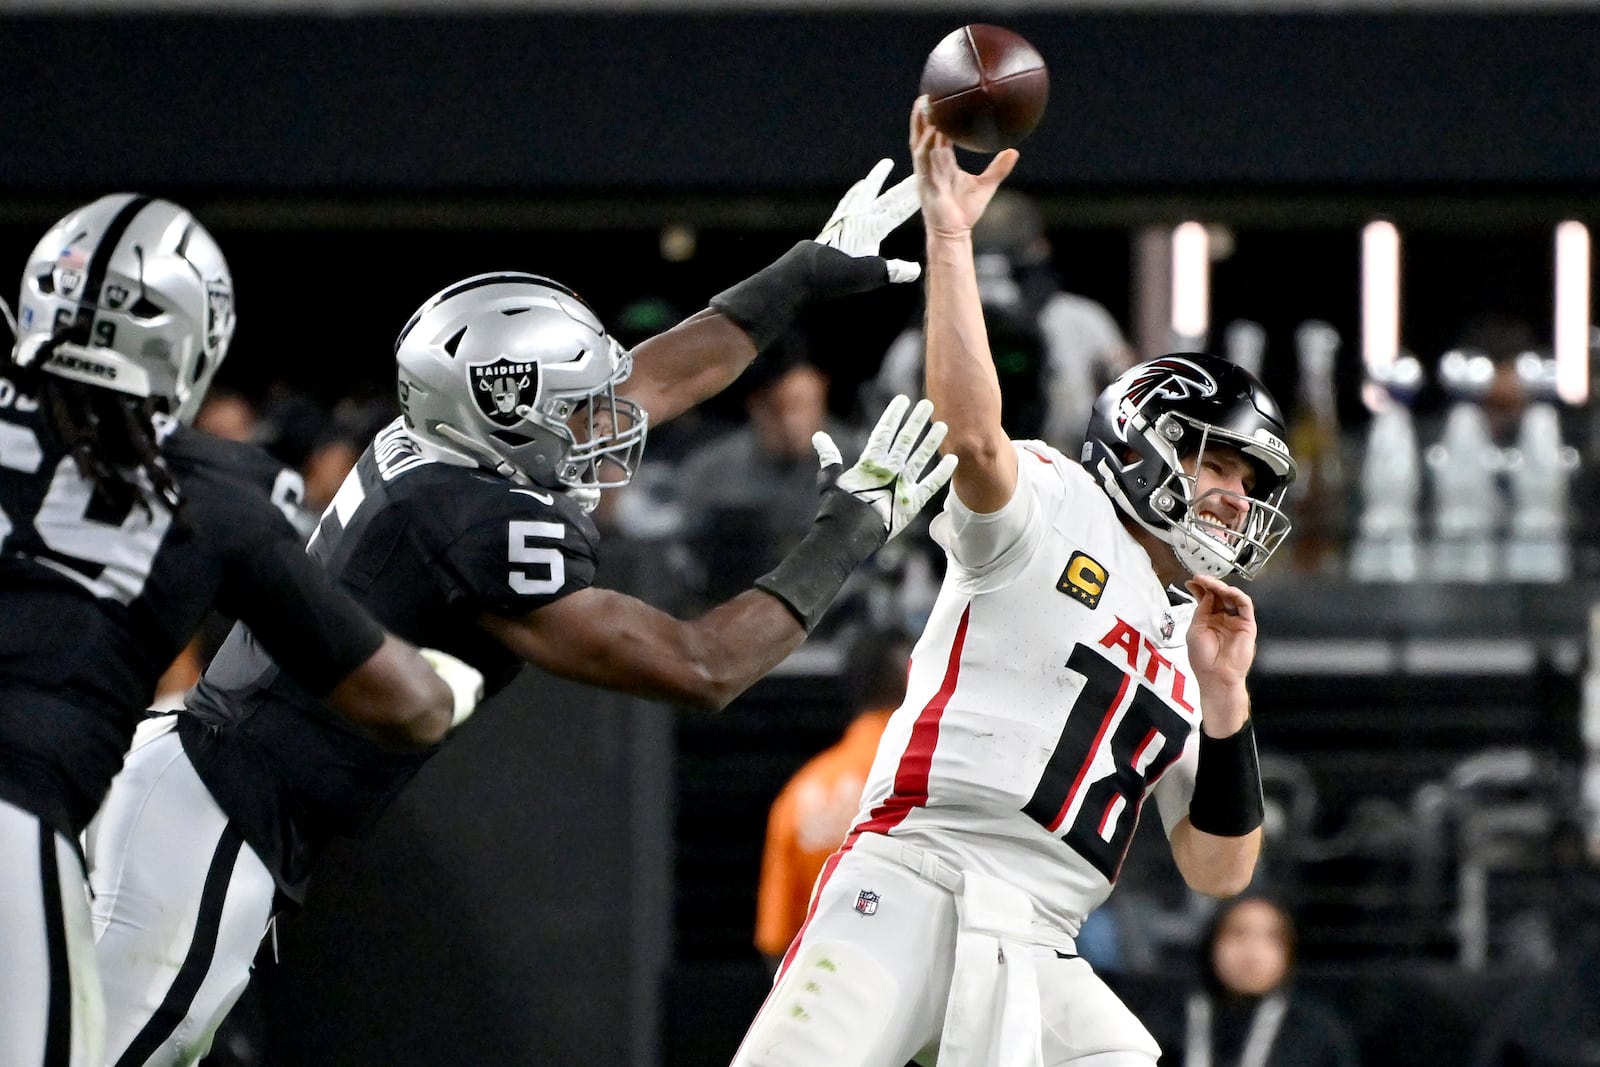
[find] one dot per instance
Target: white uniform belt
(992, 1017)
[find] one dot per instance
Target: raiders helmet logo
(504, 390)
(219, 311)
(1170, 377)
(116, 296)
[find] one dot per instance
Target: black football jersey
(427, 547)
(98, 597)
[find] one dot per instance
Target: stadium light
(1380, 296)
(1191, 281)
(1572, 312)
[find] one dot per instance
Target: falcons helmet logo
(1170, 377)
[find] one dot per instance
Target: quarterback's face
(1223, 481)
(1251, 950)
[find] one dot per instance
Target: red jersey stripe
(911, 776)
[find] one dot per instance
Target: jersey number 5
(1148, 740)
(551, 572)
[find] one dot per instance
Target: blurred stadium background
(573, 882)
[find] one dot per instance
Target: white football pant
(50, 1009)
(867, 981)
(180, 906)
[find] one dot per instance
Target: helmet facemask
(1203, 544)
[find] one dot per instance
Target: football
(986, 87)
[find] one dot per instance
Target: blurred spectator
(290, 424)
(1246, 1012)
(336, 448)
(1054, 351)
(227, 413)
(812, 814)
(749, 496)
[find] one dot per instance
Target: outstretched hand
(886, 477)
(952, 199)
(863, 218)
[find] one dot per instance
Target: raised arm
(701, 356)
(612, 640)
(961, 379)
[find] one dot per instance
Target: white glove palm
(464, 680)
(864, 218)
(886, 475)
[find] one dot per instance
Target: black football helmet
(1177, 405)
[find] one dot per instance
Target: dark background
(572, 882)
(351, 166)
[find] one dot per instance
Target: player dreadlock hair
(112, 437)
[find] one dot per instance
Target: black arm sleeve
(315, 632)
(845, 533)
(767, 303)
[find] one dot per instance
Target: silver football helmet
(515, 372)
(129, 293)
(1162, 410)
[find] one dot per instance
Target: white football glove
(464, 680)
(886, 475)
(864, 218)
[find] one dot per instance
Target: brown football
(986, 87)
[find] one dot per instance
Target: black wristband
(768, 302)
(1227, 799)
(846, 531)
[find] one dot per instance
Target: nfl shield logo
(1166, 626)
(866, 902)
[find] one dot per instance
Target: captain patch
(1084, 580)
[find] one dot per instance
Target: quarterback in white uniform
(1064, 676)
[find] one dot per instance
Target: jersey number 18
(1148, 740)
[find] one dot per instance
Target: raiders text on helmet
(131, 294)
(515, 372)
(1160, 411)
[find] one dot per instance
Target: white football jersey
(1048, 695)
